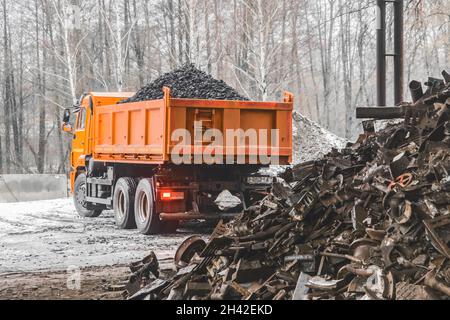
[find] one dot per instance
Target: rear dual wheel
(147, 217)
(124, 194)
(134, 206)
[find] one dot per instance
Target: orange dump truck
(159, 162)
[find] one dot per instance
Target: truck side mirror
(66, 127)
(66, 117)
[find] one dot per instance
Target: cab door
(79, 145)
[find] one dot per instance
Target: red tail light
(172, 196)
(166, 195)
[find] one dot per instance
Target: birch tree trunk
(6, 91)
(42, 125)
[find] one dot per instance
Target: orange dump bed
(142, 132)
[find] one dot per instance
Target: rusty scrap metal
(433, 228)
(187, 250)
(407, 291)
(432, 282)
(416, 90)
(380, 113)
(370, 222)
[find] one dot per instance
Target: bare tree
(321, 50)
(7, 94)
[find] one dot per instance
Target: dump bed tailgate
(143, 132)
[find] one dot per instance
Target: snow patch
(226, 201)
(311, 141)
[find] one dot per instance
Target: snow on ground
(49, 235)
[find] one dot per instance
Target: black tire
(147, 220)
(84, 209)
(124, 195)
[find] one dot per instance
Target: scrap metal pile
(189, 83)
(369, 222)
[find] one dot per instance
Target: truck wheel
(84, 209)
(147, 220)
(124, 194)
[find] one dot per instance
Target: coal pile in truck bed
(189, 83)
(370, 222)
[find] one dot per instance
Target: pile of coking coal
(187, 82)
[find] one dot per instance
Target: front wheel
(84, 209)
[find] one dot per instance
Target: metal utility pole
(381, 53)
(397, 55)
(399, 52)
(381, 111)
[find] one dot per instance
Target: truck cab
(81, 128)
(81, 148)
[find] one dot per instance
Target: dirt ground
(45, 243)
(96, 283)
